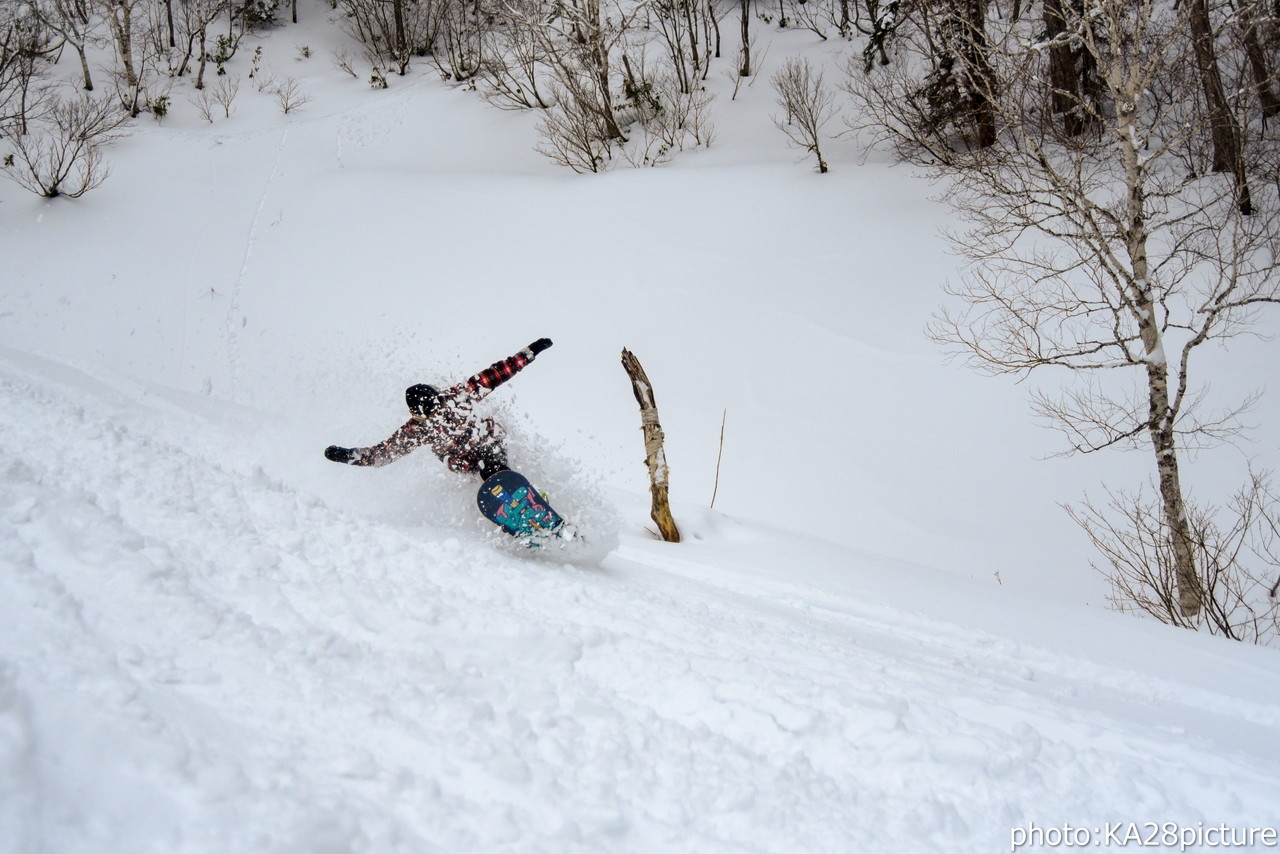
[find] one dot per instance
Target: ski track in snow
(236, 320)
(203, 658)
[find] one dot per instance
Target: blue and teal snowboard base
(509, 501)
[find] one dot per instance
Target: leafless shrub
(61, 153)
(1237, 556)
(573, 134)
(821, 16)
(674, 121)
(513, 66)
(394, 31)
(266, 83)
(741, 73)
(342, 60)
(459, 51)
(220, 98)
(203, 101)
(808, 105)
(581, 46)
(289, 96)
(224, 93)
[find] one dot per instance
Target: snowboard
(509, 501)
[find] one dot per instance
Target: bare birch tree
(1098, 252)
(74, 23)
(194, 19)
(138, 31)
(126, 20)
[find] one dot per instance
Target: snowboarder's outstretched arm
(409, 437)
(498, 373)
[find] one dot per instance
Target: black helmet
(421, 398)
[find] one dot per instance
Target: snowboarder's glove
(341, 455)
(538, 346)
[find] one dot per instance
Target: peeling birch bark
(1161, 410)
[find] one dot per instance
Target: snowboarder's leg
(493, 459)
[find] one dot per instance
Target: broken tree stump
(654, 455)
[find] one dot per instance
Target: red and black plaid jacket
(451, 430)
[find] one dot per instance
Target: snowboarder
(444, 422)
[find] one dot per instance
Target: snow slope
(200, 657)
(213, 640)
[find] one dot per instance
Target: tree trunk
(596, 55)
(654, 455)
(204, 54)
(745, 70)
(1061, 68)
(1161, 416)
(605, 87)
(1160, 429)
(611, 128)
(1228, 150)
(121, 20)
(1070, 70)
(168, 17)
(1257, 56)
(397, 8)
(974, 51)
(692, 26)
(84, 68)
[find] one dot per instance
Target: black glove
(538, 346)
(339, 455)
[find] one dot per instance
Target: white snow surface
(884, 638)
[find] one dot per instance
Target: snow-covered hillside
(202, 657)
(885, 637)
